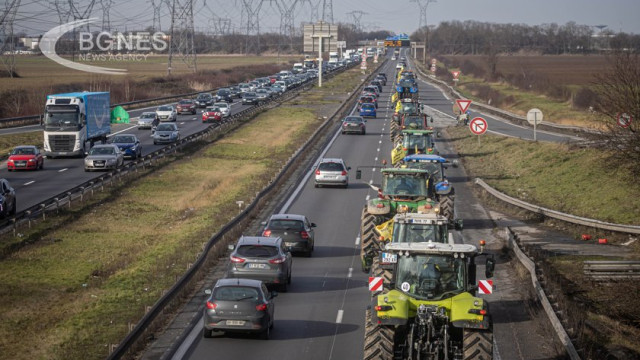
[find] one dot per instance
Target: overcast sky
(37, 16)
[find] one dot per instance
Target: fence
(611, 270)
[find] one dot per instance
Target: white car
(167, 113)
(245, 87)
(225, 109)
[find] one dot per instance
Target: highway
(322, 314)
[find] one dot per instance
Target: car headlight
(174, 135)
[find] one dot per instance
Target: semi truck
(71, 120)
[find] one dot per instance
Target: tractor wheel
(477, 344)
(367, 237)
(446, 207)
(378, 340)
(377, 271)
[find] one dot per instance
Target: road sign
(363, 66)
(375, 284)
(485, 286)
(478, 126)
(463, 104)
(624, 120)
(375, 58)
(455, 74)
(534, 116)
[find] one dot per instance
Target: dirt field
(561, 70)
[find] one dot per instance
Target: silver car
(261, 258)
(103, 157)
(167, 113)
(148, 120)
(224, 107)
(240, 306)
(332, 171)
(166, 133)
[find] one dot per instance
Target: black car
(250, 98)
(235, 91)
(7, 199)
(224, 95)
(295, 230)
(240, 306)
(378, 84)
(204, 100)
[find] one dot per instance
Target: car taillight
(317, 172)
(237, 260)
(304, 234)
(211, 305)
(261, 307)
(266, 233)
(279, 260)
(344, 172)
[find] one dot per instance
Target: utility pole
(327, 11)
(356, 15)
(7, 48)
(288, 20)
(252, 10)
(181, 40)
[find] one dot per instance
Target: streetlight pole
(320, 60)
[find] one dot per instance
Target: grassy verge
(78, 287)
(9, 141)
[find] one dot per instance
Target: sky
(400, 16)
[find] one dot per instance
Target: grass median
(77, 288)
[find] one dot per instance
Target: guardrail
(611, 270)
(520, 120)
(129, 342)
(597, 224)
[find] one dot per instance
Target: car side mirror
(358, 174)
(314, 225)
(489, 267)
(263, 223)
(231, 247)
(348, 167)
(208, 292)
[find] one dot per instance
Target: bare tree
(618, 92)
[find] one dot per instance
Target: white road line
(373, 170)
(350, 274)
(61, 170)
(378, 150)
(29, 183)
(370, 181)
(358, 241)
(339, 317)
(182, 123)
(123, 130)
(376, 159)
(367, 198)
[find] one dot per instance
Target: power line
(181, 42)
(356, 15)
(327, 11)
(251, 9)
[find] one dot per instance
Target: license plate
(388, 258)
(330, 177)
(290, 244)
(257, 266)
(235, 322)
(21, 164)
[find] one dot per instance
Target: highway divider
(596, 224)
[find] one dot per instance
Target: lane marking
(350, 273)
(123, 130)
(378, 150)
(29, 183)
(357, 240)
(339, 317)
(367, 198)
(376, 159)
(61, 170)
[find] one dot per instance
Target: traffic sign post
(455, 74)
(463, 105)
(534, 117)
(478, 126)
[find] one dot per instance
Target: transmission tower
(251, 11)
(182, 34)
(356, 15)
(313, 9)
(157, 6)
(106, 9)
(62, 10)
(422, 4)
(327, 11)
(7, 48)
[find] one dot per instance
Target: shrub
(584, 98)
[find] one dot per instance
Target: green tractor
(431, 311)
(404, 106)
(410, 122)
(411, 142)
(402, 191)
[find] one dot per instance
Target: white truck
(333, 58)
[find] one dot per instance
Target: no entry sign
(478, 126)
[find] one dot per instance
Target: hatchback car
(186, 106)
(250, 98)
(332, 171)
(129, 144)
(212, 114)
(104, 157)
(27, 157)
(295, 230)
(167, 113)
(241, 306)
(224, 95)
(368, 110)
(204, 100)
(166, 133)
(7, 199)
(261, 258)
(148, 120)
(354, 124)
(224, 107)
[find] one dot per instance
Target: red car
(186, 106)
(212, 113)
(25, 158)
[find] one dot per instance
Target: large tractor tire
(378, 340)
(378, 271)
(367, 238)
(477, 345)
(446, 207)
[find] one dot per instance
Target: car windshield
(421, 142)
(353, 120)
(23, 151)
(249, 94)
(404, 185)
(124, 139)
(330, 166)
(223, 92)
(235, 293)
(165, 127)
(165, 108)
(102, 150)
(413, 122)
(368, 106)
(286, 224)
(148, 116)
(430, 277)
(221, 105)
(213, 109)
(413, 232)
(204, 96)
(409, 108)
(185, 102)
(257, 251)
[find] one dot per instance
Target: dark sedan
(296, 231)
(224, 95)
(7, 199)
(129, 145)
(250, 98)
